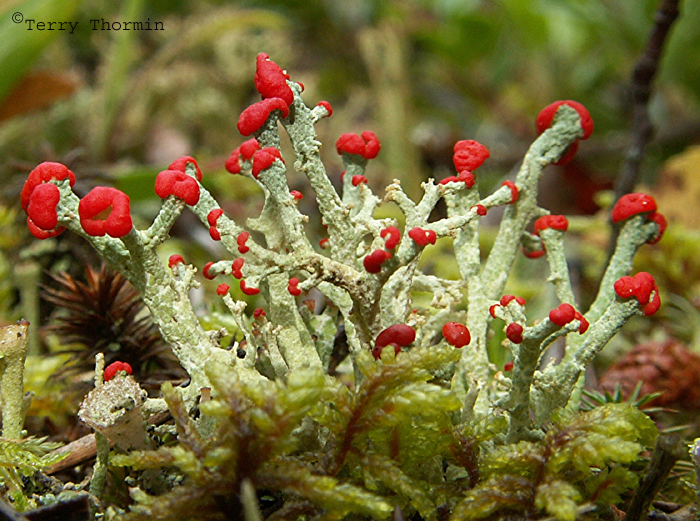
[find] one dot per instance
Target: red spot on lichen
(174, 260)
(514, 332)
(292, 287)
(358, 179)
(42, 206)
(178, 184)
(583, 327)
(632, 204)
(562, 315)
(263, 159)
(398, 335)
(513, 190)
(248, 291)
(222, 289)
(422, 237)
(206, 273)
(106, 210)
(480, 209)
(366, 145)
(181, 163)
(373, 262)
(505, 299)
(469, 155)
(44, 173)
(255, 116)
(546, 116)
(640, 287)
(241, 240)
(394, 236)
(112, 369)
(326, 106)
(271, 81)
(456, 334)
(558, 222)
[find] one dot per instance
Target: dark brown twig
(667, 452)
(642, 83)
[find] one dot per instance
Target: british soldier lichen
(367, 267)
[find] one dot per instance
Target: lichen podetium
(368, 268)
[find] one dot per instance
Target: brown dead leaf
(37, 90)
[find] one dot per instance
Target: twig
(667, 452)
(642, 83)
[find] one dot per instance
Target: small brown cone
(665, 367)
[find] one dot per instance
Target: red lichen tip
(513, 191)
(640, 287)
(222, 289)
(546, 116)
(422, 237)
(398, 335)
(558, 222)
(112, 369)
(469, 155)
(263, 159)
(366, 145)
(241, 240)
(236, 267)
(456, 334)
(660, 220)
(178, 184)
(506, 299)
(42, 206)
(326, 106)
(632, 204)
(259, 312)
(255, 116)
(358, 180)
(206, 273)
(480, 209)
(271, 81)
(562, 315)
(583, 327)
(324, 243)
(514, 332)
(44, 173)
(248, 148)
(292, 287)
(214, 215)
(106, 210)
(249, 291)
(174, 260)
(508, 366)
(534, 254)
(181, 163)
(373, 262)
(392, 235)
(43, 234)
(296, 194)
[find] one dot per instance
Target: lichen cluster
(428, 426)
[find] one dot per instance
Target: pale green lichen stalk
(368, 269)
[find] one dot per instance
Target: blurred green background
(118, 106)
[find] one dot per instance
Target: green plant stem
(13, 352)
